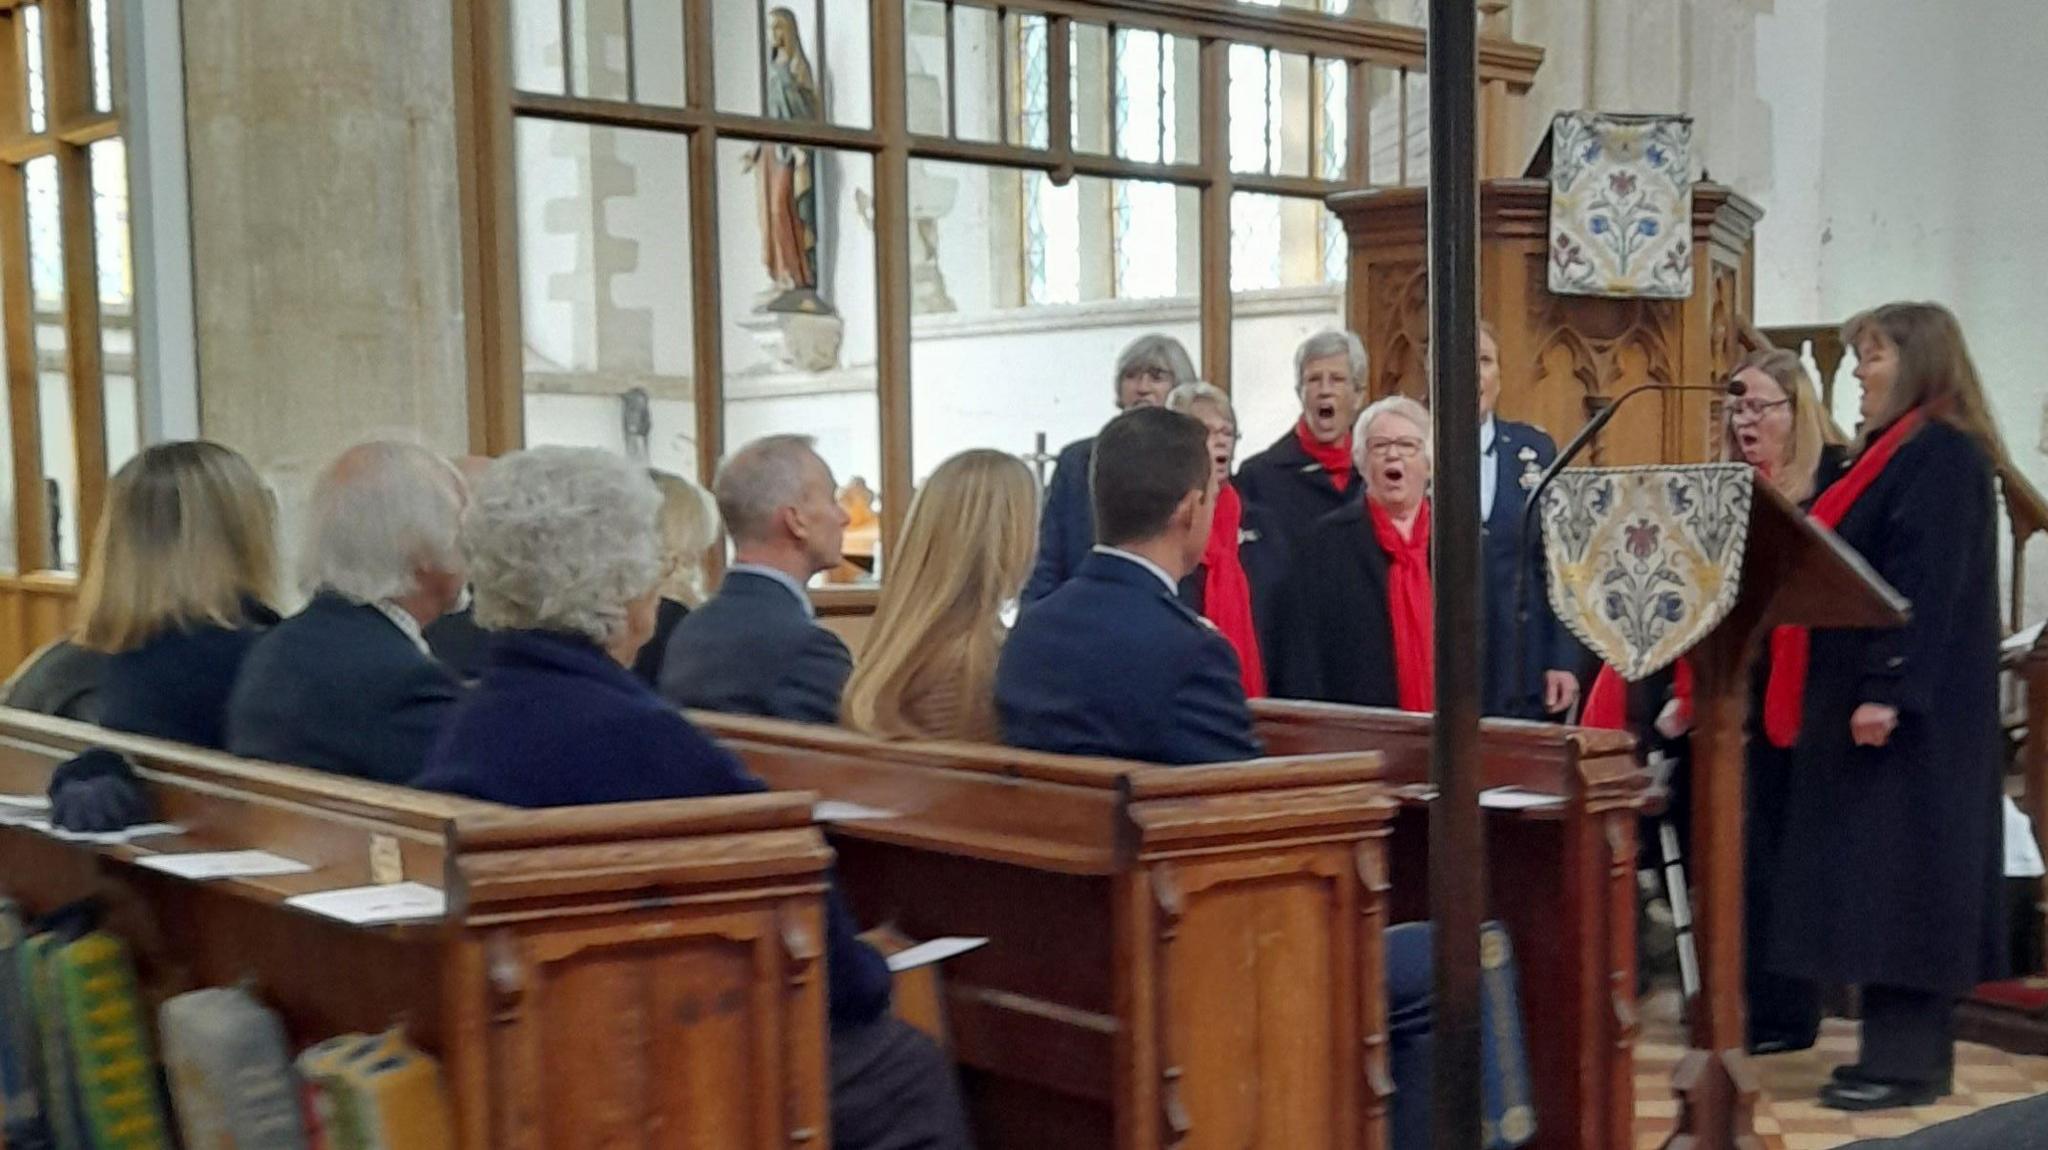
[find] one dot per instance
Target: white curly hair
(562, 539)
(1402, 406)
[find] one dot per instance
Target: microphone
(1524, 541)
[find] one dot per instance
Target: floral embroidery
(1621, 205)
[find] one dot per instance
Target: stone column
(324, 229)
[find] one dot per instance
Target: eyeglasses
(1406, 447)
(1753, 408)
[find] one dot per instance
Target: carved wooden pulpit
(1652, 564)
(1562, 358)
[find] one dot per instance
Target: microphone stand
(1524, 541)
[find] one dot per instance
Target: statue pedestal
(803, 341)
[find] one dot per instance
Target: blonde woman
(928, 668)
(689, 526)
(182, 584)
(1778, 427)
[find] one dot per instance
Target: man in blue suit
(347, 684)
(1511, 458)
(756, 647)
(1112, 663)
(1146, 371)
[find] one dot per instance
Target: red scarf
(1607, 703)
(1335, 457)
(1411, 607)
(1785, 694)
(1227, 594)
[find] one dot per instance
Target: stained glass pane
(102, 58)
(1052, 241)
(1033, 85)
(46, 279)
(38, 91)
(113, 255)
(1254, 242)
(1255, 103)
(1147, 240)
(1145, 97)
(1333, 138)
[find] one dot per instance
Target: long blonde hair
(1810, 428)
(188, 535)
(1935, 371)
(689, 526)
(965, 552)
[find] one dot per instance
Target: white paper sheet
(373, 905)
(224, 864)
(2022, 853)
(27, 802)
(935, 950)
(1516, 799)
(107, 838)
(834, 811)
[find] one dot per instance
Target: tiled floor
(1788, 1117)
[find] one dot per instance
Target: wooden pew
(1562, 879)
(602, 973)
(1178, 957)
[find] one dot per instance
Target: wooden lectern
(1563, 358)
(1794, 572)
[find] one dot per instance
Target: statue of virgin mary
(787, 174)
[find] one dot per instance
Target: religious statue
(788, 175)
(636, 423)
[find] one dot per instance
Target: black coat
(457, 641)
(1263, 552)
(1293, 489)
(1891, 866)
(753, 649)
(338, 687)
(176, 685)
(1335, 642)
(1520, 453)
(1066, 525)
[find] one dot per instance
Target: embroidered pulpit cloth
(1621, 205)
(1646, 561)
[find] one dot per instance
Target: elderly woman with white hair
(1309, 472)
(347, 685)
(1358, 618)
(1237, 583)
(1149, 367)
(566, 562)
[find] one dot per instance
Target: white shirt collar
(1487, 434)
(1158, 572)
(783, 577)
(403, 620)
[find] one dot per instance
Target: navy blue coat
(338, 687)
(1335, 640)
(1520, 453)
(1263, 552)
(752, 649)
(555, 722)
(1293, 488)
(1112, 664)
(176, 685)
(1066, 525)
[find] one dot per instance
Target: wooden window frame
(487, 104)
(73, 125)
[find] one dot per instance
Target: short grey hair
(379, 512)
(562, 539)
(1187, 396)
(1157, 352)
(760, 479)
(1327, 343)
(1399, 405)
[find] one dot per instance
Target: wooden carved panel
(1585, 353)
(1397, 329)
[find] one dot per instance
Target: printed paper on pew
(376, 905)
(107, 838)
(224, 864)
(935, 950)
(834, 811)
(1516, 799)
(16, 810)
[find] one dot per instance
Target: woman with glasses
(1357, 622)
(1236, 585)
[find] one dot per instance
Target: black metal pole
(1457, 857)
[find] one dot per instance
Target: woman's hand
(1872, 724)
(1560, 691)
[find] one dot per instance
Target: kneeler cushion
(22, 1126)
(232, 1084)
(1509, 1117)
(115, 1072)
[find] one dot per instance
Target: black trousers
(1782, 1008)
(894, 1089)
(1908, 1035)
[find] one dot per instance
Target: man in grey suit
(756, 647)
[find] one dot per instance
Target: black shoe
(1859, 1094)
(1769, 1046)
(1854, 1072)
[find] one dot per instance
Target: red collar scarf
(1227, 594)
(1785, 694)
(1411, 607)
(1335, 458)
